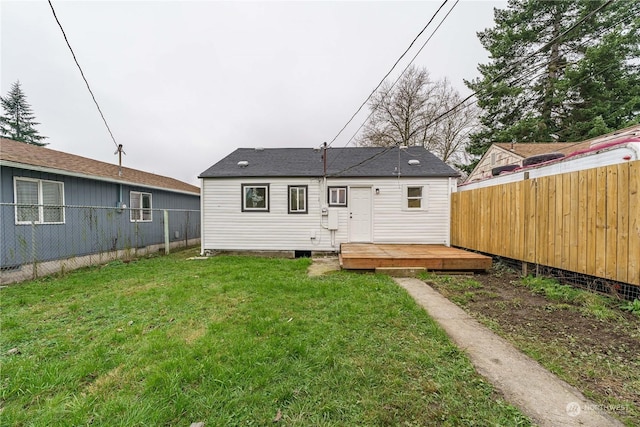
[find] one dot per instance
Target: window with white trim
(38, 201)
(255, 197)
(337, 196)
(140, 204)
(414, 195)
(297, 199)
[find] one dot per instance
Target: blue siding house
(59, 206)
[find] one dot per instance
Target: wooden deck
(368, 256)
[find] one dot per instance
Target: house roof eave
(18, 165)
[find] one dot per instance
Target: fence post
(166, 232)
(186, 231)
(33, 250)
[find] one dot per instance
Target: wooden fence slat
(622, 245)
(581, 236)
(557, 238)
(601, 221)
(551, 221)
(542, 233)
(611, 222)
(633, 272)
(508, 221)
(592, 203)
(517, 246)
(531, 217)
(565, 232)
(573, 218)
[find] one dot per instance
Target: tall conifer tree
(584, 81)
(18, 122)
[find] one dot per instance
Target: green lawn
(231, 341)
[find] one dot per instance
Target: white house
(292, 199)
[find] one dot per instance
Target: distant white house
(291, 199)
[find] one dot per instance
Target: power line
(387, 75)
(535, 68)
(403, 71)
(396, 81)
(82, 73)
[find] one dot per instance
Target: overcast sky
(182, 84)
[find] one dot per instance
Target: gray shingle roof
(348, 162)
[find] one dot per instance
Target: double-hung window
(39, 201)
(140, 204)
(255, 197)
(415, 197)
(297, 199)
(337, 196)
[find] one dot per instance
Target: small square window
(337, 196)
(255, 197)
(414, 197)
(140, 204)
(297, 199)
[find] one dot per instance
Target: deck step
(369, 256)
(401, 271)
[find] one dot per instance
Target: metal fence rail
(33, 245)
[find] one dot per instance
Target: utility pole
(324, 159)
(120, 152)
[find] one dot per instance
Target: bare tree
(405, 114)
(447, 135)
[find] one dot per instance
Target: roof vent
(414, 162)
(243, 163)
(259, 148)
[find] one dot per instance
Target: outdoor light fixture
(377, 191)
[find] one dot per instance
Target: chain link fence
(37, 240)
(600, 285)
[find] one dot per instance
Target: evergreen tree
(17, 122)
(552, 77)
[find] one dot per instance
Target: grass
(231, 341)
(458, 289)
(589, 303)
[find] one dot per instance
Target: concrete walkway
(545, 398)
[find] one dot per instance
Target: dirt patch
(111, 378)
(321, 266)
(599, 356)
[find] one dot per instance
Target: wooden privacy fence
(587, 222)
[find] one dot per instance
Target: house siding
(225, 227)
(502, 158)
(77, 236)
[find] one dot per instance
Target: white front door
(360, 214)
